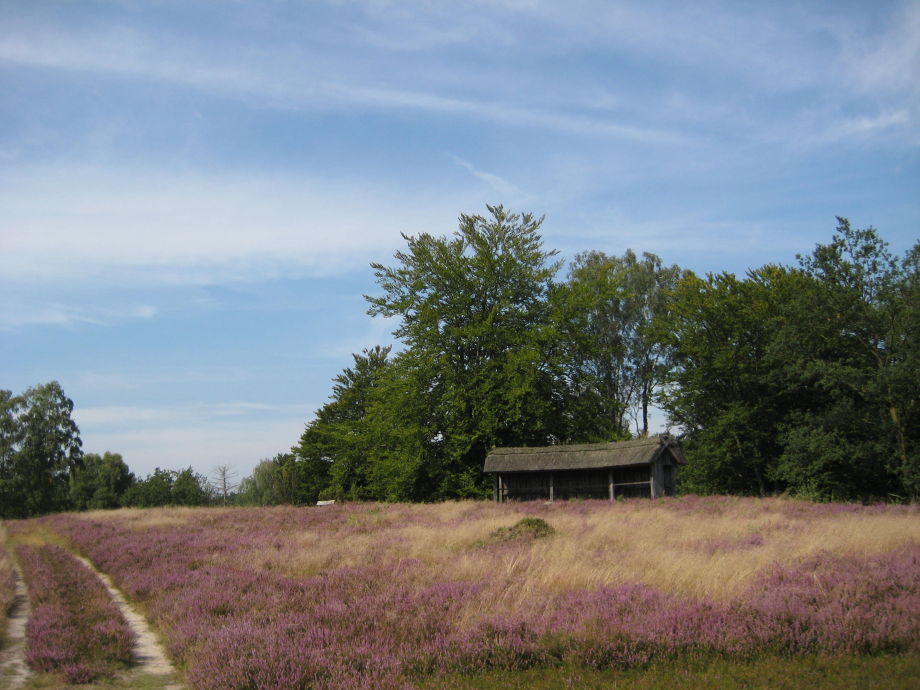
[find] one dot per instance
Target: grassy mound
(527, 528)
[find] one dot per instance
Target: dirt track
(13, 669)
(148, 653)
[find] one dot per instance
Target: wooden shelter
(643, 467)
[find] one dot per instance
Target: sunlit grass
(358, 594)
(771, 673)
(690, 547)
(711, 552)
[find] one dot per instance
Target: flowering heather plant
(376, 596)
(75, 629)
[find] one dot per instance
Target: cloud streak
(270, 82)
(18, 313)
(192, 229)
(200, 435)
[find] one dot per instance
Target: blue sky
(191, 192)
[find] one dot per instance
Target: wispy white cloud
(117, 381)
(689, 57)
(18, 313)
(198, 435)
(266, 78)
(868, 124)
(890, 63)
(498, 184)
(83, 225)
(118, 417)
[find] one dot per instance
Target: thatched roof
(640, 451)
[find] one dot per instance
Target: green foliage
(39, 448)
(333, 450)
(525, 528)
(475, 319)
(722, 389)
(155, 490)
(191, 489)
(282, 480)
(169, 487)
(613, 358)
(100, 482)
(801, 379)
(478, 368)
(258, 489)
(851, 347)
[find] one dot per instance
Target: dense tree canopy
(169, 487)
(39, 448)
(615, 361)
(803, 379)
(99, 482)
(792, 378)
(476, 371)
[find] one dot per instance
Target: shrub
(526, 528)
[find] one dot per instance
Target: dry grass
(148, 518)
(690, 547)
(713, 552)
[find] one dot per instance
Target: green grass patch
(526, 528)
(812, 672)
(127, 681)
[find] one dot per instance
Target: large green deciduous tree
(474, 317)
(722, 390)
(39, 448)
(804, 379)
(169, 487)
(849, 352)
(615, 361)
(334, 448)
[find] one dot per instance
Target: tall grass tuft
(75, 629)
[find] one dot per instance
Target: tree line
(43, 468)
(801, 378)
(798, 378)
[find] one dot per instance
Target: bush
(529, 527)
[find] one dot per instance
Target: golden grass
(710, 548)
(682, 552)
(149, 518)
(32, 533)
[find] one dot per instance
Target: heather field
(74, 630)
(475, 594)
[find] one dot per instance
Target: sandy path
(13, 669)
(148, 653)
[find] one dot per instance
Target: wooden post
(610, 486)
(656, 478)
(495, 487)
(551, 487)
